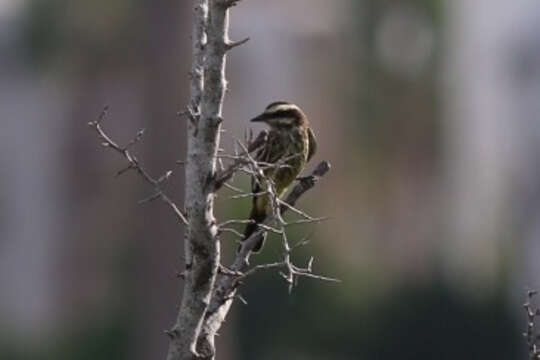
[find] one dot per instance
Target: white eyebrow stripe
(286, 121)
(282, 107)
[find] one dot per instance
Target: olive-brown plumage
(289, 140)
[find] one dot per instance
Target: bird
(290, 140)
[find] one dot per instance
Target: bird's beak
(259, 118)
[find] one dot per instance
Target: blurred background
(427, 110)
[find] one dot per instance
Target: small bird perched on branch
(283, 152)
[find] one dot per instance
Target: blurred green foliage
(412, 322)
(394, 127)
(107, 336)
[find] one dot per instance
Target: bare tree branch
(199, 244)
(202, 248)
(133, 164)
(227, 283)
(239, 160)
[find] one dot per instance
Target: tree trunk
(202, 251)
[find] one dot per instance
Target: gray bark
(209, 292)
(202, 250)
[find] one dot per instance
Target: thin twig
(134, 164)
(307, 221)
(245, 195)
(235, 221)
(232, 231)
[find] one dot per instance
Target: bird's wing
(262, 152)
(272, 150)
(259, 141)
(312, 144)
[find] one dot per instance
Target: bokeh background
(427, 110)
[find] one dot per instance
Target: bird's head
(282, 115)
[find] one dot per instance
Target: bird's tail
(257, 217)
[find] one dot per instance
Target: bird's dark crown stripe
(290, 113)
(275, 103)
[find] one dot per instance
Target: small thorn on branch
(229, 3)
(242, 299)
(103, 114)
(171, 333)
(310, 264)
(190, 113)
(232, 44)
(306, 240)
(181, 274)
(165, 176)
(124, 170)
(149, 199)
(136, 139)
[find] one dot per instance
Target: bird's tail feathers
(257, 218)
